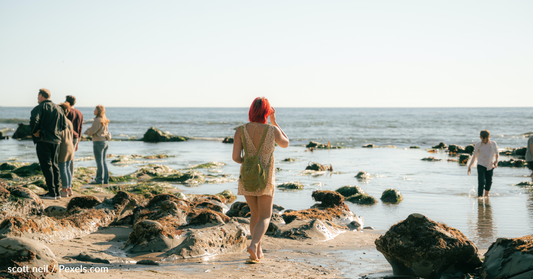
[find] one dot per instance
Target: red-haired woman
(260, 202)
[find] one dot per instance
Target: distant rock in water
(391, 196)
(363, 175)
(155, 135)
(228, 140)
(517, 163)
(348, 191)
(420, 247)
(514, 151)
(23, 132)
(370, 145)
(414, 147)
(431, 159)
(509, 258)
(456, 149)
(296, 185)
(463, 159)
(441, 145)
(319, 167)
(362, 198)
(314, 144)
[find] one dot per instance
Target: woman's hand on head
(273, 117)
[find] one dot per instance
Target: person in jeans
(486, 155)
(66, 155)
(76, 117)
(47, 123)
(529, 155)
(100, 137)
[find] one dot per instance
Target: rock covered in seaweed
(517, 163)
(441, 145)
(318, 167)
(509, 258)
(19, 253)
(348, 191)
(363, 175)
(420, 247)
(391, 196)
(362, 198)
(155, 135)
(294, 185)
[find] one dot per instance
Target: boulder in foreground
(420, 247)
(510, 258)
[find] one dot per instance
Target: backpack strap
(244, 141)
(263, 138)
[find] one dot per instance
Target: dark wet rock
(23, 132)
(370, 145)
(191, 177)
(27, 253)
(368, 228)
(362, 199)
(469, 149)
(509, 258)
(8, 175)
(11, 165)
(391, 196)
(356, 225)
(514, 151)
(362, 175)
(349, 190)
(463, 159)
(153, 236)
(88, 257)
(210, 203)
(314, 144)
(328, 198)
(277, 208)
(239, 209)
(209, 241)
(227, 196)
(207, 216)
(147, 262)
(55, 211)
(228, 140)
(431, 159)
(517, 163)
(83, 202)
(420, 247)
(414, 147)
(309, 229)
(158, 199)
(30, 170)
(441, 145)
(294, 185)
(155, 135)
(289, 160)
(319, 167)
(526, 184)
(457, 149)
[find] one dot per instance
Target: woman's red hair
(259, 110)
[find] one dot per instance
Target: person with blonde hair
(100, 136)
(66, 155)
(258, 139)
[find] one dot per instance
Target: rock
(83, 202)
(363, 175)
(207, 216)
(23, 132)
(294, 185)
(314, 144)
(391, 196)
(208, 165)
(11, 165)
(239, 209)
(517, 163)
(33, 169)
(155, 135)
(210, 241)
(228, 140)
(87, 257)
(525, 184)
(514, 151)
(328, 198)
(414, 147)
(340, 215)
(227, 196)
(453, 148)
(368, 228)
(4, 195)
(370, 145)
(23, 202)
(55, 211)
(190, 178)
(27, 253)
(153, 236)
(441, 145)
(349, 190)
(147, 262)
(4, 132)
(309, 229)
(431, 159)
(289, 160)
(469, 149)
(420, 247)
(362, 199)
(509, 258)
(319, 167)
(463, 159)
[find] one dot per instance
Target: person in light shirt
(486, 155)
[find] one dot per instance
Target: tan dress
(267, 151)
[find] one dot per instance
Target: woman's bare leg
(264, 206)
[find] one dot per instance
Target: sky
(296, 53)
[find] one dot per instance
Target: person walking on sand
(66, 155)
(76, 117)
(529, 155)
(486, 155)
(47, 123)
(100, 137)
(257, 138)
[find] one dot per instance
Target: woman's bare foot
(260, 254)
(252, 252)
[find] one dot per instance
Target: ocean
(440, 190)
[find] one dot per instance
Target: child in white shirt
(486, 155)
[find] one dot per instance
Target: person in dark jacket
(47, 123)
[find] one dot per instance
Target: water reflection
(485, 226)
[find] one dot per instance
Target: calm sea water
(439, 190)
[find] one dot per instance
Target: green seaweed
(362, 199)
(295, 185)
(348, 191)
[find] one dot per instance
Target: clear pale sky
(296, 53)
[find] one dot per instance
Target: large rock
(510, 258)
(153, 236)
(239, 209)
(420, 247)
(155, 135)
(210, 241)
(21, 202)
(28, 258)
(329, 199)
(23, 132)
(30, 170)
(83, 202)
(391, 196)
